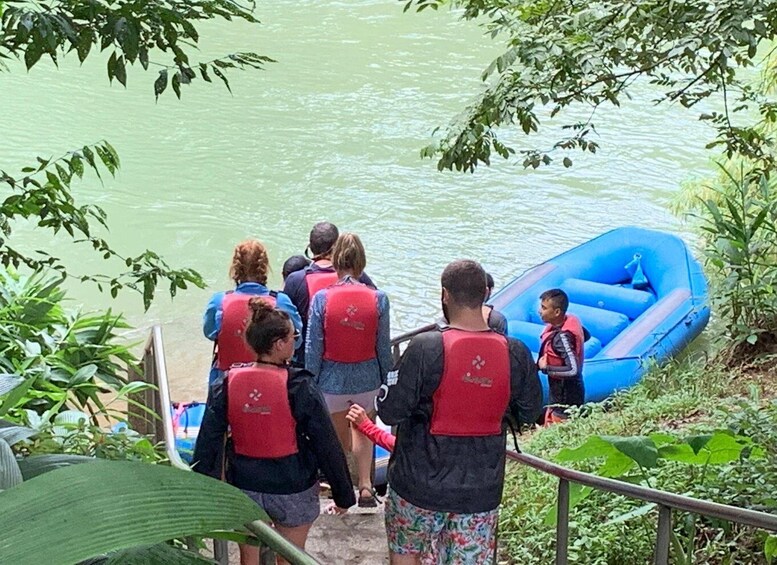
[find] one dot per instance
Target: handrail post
(562, 523)
(662, 537)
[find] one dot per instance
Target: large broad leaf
(10, 475)
(84, 511)
(159, 553)
(641, 449)
(39, 464)
(14, 434)
(716, 449)
(594, 446)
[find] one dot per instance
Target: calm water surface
(332, 131)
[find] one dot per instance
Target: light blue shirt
(211, 320)
(347, 378)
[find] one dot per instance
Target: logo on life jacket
(235, 315)
(350, 323)
(350, 318)
(260, 419)
(478, 362)
(253, 407)
(474, 392)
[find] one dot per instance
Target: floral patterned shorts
(440, 537)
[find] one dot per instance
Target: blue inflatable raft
(639, 293)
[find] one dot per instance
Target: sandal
(369, 501)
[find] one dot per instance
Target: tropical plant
(739, 217)
(631, 458)
(112, 500)
(130, 510)
(132, 34)
(66, 359)
(572, 57)
(682, 400)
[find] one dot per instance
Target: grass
(681, 397)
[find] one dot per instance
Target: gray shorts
(289, 510)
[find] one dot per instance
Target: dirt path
(359, 537)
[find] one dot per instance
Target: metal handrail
(407, 336)
(743, 516)
(666, 502)
(154, 349)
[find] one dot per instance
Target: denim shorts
(289, 510)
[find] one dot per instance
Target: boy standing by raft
(561, 355)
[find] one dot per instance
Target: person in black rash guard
(451, 397)
(280, 433)
(301, 286)
(494, 318)
(561, 355)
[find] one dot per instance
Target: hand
(356, 415)
(542, 363)
(334, 510)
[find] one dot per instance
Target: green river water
(332, 131)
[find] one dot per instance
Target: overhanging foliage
(573, 53)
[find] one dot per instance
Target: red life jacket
(235, 315)
(350, 323)
(475, 387)
(572, 326)
(258, 411)
(317, 280)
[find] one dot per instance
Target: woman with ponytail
(348, 348)
(227, 313)
(278, 433)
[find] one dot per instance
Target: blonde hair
(250, 262)
(348, 254)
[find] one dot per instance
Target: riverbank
(683, 398)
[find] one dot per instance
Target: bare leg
(249, 554)
(398, 559)
(342, 427)
(362, 451)
(297, 535)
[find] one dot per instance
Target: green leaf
(616, 465)
(9, 382)
(83, 374)
(640, 511)
(159, 553)
(177, 84)
(219, 74)
(113, 505)
(160, 84)
(594, 446)
(641, 449)
(14, 434)
(698, 441)
(15, 396)
(10, 475)
(770, 548)
(33, 53)
(38, 464)
(76, 166)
